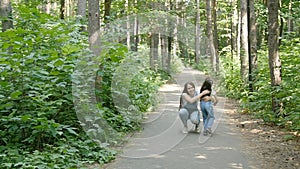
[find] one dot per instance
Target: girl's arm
(195, 98)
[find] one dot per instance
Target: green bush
(38, 125)
(259, 102)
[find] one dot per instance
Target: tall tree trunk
(81, 12)
(134, 39)
(154, 39)
(181, 44)
(281, 25)
(234, 32)
(170, 39)
(197, 29)
(6, 15)
(210, 35)
(253, 43)
(70, 6)
(215, 34)
(274, 59)
(62, 9)
(94, 36)
(128, 43)
(164, 42)
(81, 8)
(94, 26)
(107, 7)
(164, 51)
(238, 30)
(290, 19)
(244, 42)
(67, 8)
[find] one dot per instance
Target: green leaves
(259, 101)
(36, 107)
(15, 94)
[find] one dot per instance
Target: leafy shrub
(38, 125)
(259, 101)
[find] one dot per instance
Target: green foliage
(144, 89)
(259, 101)
(231, 76)
(290, 93)
(128, 87)
(68, 153)
(38, 125)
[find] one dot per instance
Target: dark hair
(185, 90)
(206, 86)
(209, 80)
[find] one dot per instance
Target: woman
(206, 106)
(188, 105)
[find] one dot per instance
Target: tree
(164, 43)
(197, 38)
(215, 35)
(81, 8)
(244, 42)
(135, 38)
(6, 15)
(107, 7)
(234, 32)
(252, 42)
(209, 29)
(94, 26)
(62, 9)
(290, 19)
(154, 39)
(128, 26)
(273, 43)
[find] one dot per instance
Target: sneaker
(205, 133)
(185, 130)
(209, 131)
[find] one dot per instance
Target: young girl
(206, 105)
(188, 105)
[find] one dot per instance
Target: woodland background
(252, 46)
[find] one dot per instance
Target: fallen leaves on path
(268, 146)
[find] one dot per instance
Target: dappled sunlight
(236, 165)
(255, 131)
(159, 156)
(200, 156)
(169, 87)
(171, 104)
(195, 72)
(218, 148)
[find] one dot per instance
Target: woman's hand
(205, 92)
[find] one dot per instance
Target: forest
(76, 76)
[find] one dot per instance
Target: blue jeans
(185, 116)
(207, 114)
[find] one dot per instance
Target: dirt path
(268, 146)
(161, 145)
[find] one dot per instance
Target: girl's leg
(210, 117)
(195, 119)
(207, 108)
(184, 116)
(204, 112)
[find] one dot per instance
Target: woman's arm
(215, 99)
(195, 98)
